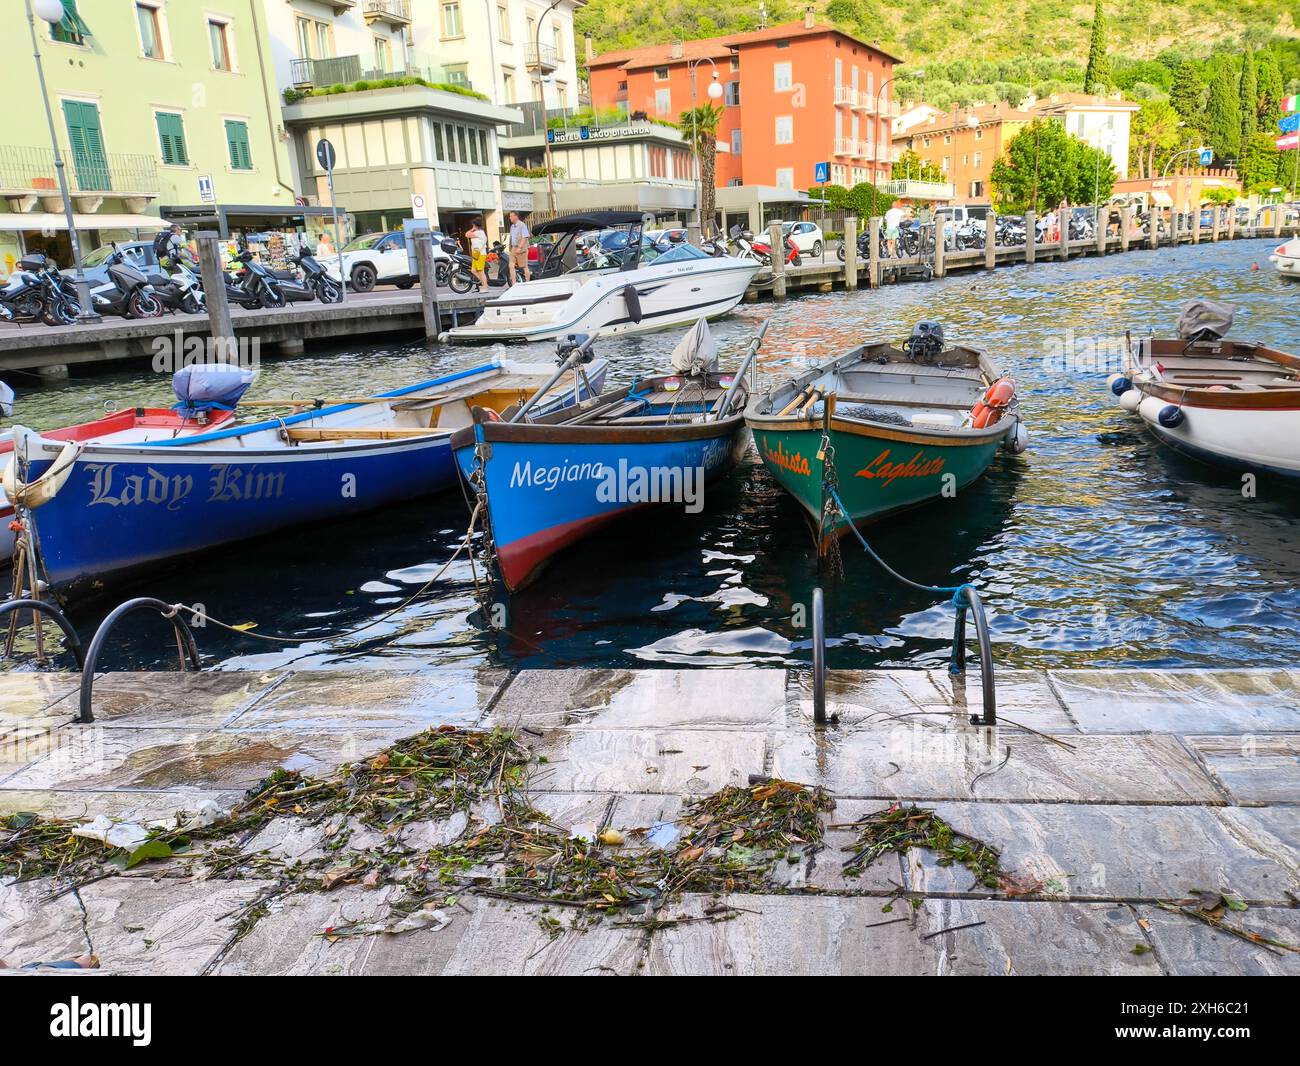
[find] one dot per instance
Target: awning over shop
(19, 221)
(1162, 198)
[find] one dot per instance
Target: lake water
(1094, 548)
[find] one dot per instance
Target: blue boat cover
(204, 386)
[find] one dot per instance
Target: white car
(806, 236)
(377, 259)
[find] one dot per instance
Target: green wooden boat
(904, 424)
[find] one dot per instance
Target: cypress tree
(1096, 79)
(1269, 104)
(1187, 94)
(1248, 97)
(1223, 111)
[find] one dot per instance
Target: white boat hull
(1286, 258)
(1247, 440)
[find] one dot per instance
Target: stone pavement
(1111, 789)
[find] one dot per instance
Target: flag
(1289, 140)
(1290, 103)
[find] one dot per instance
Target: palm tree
(700, 128)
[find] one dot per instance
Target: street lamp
(715, 93)
(880, 97)
(53, 11)
(541, 96)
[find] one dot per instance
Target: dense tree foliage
(1044, 165)
(1096, 77)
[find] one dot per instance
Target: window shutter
(171, 135)
(241, 157)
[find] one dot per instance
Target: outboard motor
(926, 341)
(1206, 320)
(203, 387)
(569, 343)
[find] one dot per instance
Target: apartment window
(783, 44)
(663, 101)
(458, 75)
(460, 144)
(976, 189)
(965, 160)
(735, 61)
(237, 145)
(383, 54)
(661, 73)
(622, 86)
(171, 139)
(503, 23)
(451, 24)
(482, 146)
(731, 91)
(947, 138)
(979, 159)
(785, 178)
(784, 129)
(557, 39)
(839, 73)
(315, 39)
(151, 37)
(782, 77)
(219, 37)
(508, 85)
(979, 135)
(70, 29)
(944, 165)
(439, 149)
(735, 142)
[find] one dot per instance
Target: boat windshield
(608, 250)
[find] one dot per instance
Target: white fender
(44, 488)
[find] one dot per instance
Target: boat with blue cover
(128, 500)
(549, 480)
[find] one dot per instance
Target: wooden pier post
(220, 330)
(778, 260)
(1063, 228)
(1101, 222)
(990, 241)
(1232, 222)
(1277, 220)
(693, 236)
(1215, 217)
(851, 255)
(428, 284)
(1030, 233)
(1196, 224)
(1153, 222)
(876, 275)
(1126, 219)
(939, 249)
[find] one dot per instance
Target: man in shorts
(519, 234)
(893, 222)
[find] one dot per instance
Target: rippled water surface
(1094, 548)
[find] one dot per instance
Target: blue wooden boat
(131, 500)
(552, 479)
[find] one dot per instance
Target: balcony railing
(344, 70)
(543, 58)
(394, 12)
(32, 170)
(918, 190)
(845, 96)
(846, 147)
(866, 150)
(336, 70)
(866, 103)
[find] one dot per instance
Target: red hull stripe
(520, 561)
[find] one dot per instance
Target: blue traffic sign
(1207, 156)
(823, 173)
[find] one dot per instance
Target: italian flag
(1290, 104)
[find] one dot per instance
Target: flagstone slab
(159, 699)
(186, 761)
(330, 700)
(694, 761)
(1187, 947)
(121, 805)
(1101, 851)
(643, 699)
(1254, 768)
(922, 762)
(35, 928)
(1181, 701)
(28, 700)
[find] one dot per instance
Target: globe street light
(53, 11)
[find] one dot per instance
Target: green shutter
(171, 135)
(237, 144)
(87, 140)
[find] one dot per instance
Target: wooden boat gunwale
(1240, 396)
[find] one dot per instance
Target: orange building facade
(964, 145)
(795, 95)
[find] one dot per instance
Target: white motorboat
(602, 275)
(1286, 258)
(1232, 403)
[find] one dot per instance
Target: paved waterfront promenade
(1105, 791)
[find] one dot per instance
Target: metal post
(338, 242)
(88, 313)
(940, 239)
(778, 260)
(541, 97)
(1063, 231)
(819, 657)
(220, 329)
(428, 284)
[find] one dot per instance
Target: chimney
(678, 50)
(809, 18)
(590, 48)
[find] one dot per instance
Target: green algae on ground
(899, 829)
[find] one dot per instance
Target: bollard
(1232, 221)
(990, 241)
(220, 330)
(428, 284)
(851, 254)
(1030, 219)
(1196, 225)
(778, 260)
(1153, 221)
(1063, 233)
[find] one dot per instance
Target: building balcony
(28, 176)
(918, 190)
(866, 103)
(845, 147)
(846, 96)
(890, 109)
(541, 58)
(866, 150)
(396, 13)
(337, 70)
(345, 70)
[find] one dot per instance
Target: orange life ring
(996, 399)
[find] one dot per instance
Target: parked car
(378, 259)
(806, 236)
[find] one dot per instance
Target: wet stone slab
(1187, 947)
(373, 699)
(31, 701)
(1254, 768)
(919, 761)
(111, 759)
(121, 805)
(1181, 701)
(661, 761)
(872, 697)
(174, 700)
(1102, 851)
(644, 699)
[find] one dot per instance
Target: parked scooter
(23, 298)
(763, 249)
(500, 276)
(460, 278)
(127, 291)
(324, 287)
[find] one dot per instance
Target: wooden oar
(798, 399)
(345, 400)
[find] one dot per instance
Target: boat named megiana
(1232, 403)
(885, 427)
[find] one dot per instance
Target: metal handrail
(968, 598)
(73, 641)
(819, 657)
(184, 635)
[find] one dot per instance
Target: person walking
(167, 246)
(893, 221)
(477, 240)
(519, 234)
(325, 246)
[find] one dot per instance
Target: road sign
(822, 173)
(207, 191)
(419, 207)
(1206, 156)
(1289, 124)
(325, 154)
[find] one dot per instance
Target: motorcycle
(1010, 231)
(175, 292)
(326, 289)
(498, 255)
(764, 251)
(265, 287)
(970, 234)
(127, 291)
(459, 277)
(23, 299)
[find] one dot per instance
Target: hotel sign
(595, 133)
